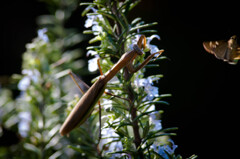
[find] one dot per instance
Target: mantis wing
(81, 85)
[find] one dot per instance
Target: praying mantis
(91, 95)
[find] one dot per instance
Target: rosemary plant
(130, 123)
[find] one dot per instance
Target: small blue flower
(30, 75)
(24, 83)
(147, 83)
(151, 91)
(91, 53)
(107, 104)
(92, 64)
(42, 35)
(96, 29)
(164, 149)
(109, 135)
(24, 124)
(89, 22)
(171, 149)
(153, 48)
(93, 19)
(154, 120)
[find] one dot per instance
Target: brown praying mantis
(85, 105)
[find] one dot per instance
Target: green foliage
(130, 118)
(37, 113)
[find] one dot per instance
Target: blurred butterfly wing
(225, 50)
(232, 43)
(238, 54)
(234, 57)
(218, 48)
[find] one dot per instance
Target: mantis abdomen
(84, 107)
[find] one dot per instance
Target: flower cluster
(109, 136)
(29, 76)
(92, 21)
(147, 84)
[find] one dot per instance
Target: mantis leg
(131, 68)
(146, 61)
(99, 105)
(100, 122)
(116, 96)
(99, 66)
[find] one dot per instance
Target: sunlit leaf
(142, 26)
(32, 148)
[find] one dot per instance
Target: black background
(205, 91)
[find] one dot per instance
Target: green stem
(133, 112)
(130, 92)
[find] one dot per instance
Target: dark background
(205, 91)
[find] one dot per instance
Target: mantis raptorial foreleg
(131, 68)
(85, 106)
(142, 44)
